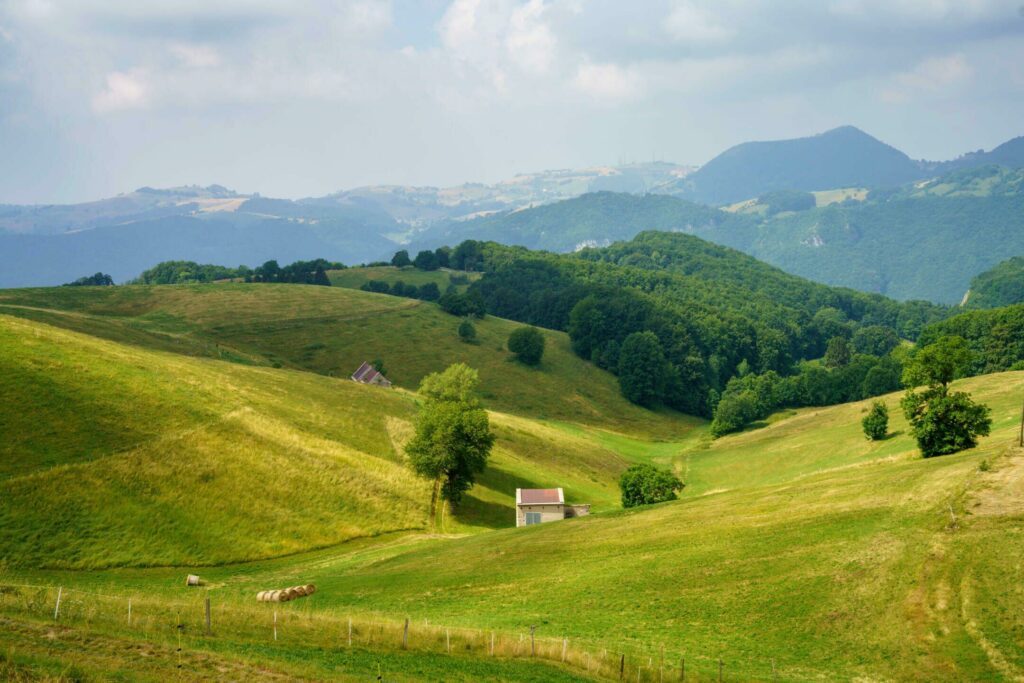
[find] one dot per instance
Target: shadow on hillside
(493, 515)
(891, 435)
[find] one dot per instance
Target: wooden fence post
(622, 667)
(208, 625)
(682, 669)
(565, 647)
(405, 635)
(350, 631)
(275, 624)
(719, 670)
(56, 610)
(492, 643)
(448, 640)
(1021, 443)
(129, 611)
(533, 648)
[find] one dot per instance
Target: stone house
(536, 506)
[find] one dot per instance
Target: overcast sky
(298, 98)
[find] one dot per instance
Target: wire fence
(203, 617)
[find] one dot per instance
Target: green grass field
(798, 551)
(354, 278)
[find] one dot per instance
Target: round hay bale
(310, 589)
(259, 596)
(293, 593)
(275, 596)
(300, 591)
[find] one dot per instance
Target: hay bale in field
(286, 594)
(294, 592)
(263, 596)
(193, 580)
(275, 596)
(310, 589)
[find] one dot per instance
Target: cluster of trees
(786, 200)
(427, 292)
(189, 272)
(841, 378)
(301, 272)
(97, 280)
(425, 260)
(453, 439)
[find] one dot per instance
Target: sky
(299, 98)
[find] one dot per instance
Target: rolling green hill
(181, 440)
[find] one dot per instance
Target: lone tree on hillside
(642, 368)
(876, 422)
(528, 345)
(646, 484)
(942, 421)
(401, 259)
(453, 436)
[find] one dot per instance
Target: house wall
(548, 513)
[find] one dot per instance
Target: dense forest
(1002, 285)
(996, 337)
(677, 317)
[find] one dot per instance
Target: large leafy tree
(646, 484)
(453, 438)
(942, 421)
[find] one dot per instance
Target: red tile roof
(540, 496)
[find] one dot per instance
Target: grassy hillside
(165, 452)
(799, 546)
(330, 331)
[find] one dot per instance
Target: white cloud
(934, 75)
(196, 56)
(530, 41)
(124, 90)
(689, 23)
(609, 82)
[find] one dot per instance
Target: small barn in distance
(536, 506)
(367, 374)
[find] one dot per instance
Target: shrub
(375, 286)
(401, 259)
(646, 484)
(876, 422)
(467, 332)
(528, 345)
(429, 292)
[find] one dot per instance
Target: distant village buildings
(367, 374)
(536, 506)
